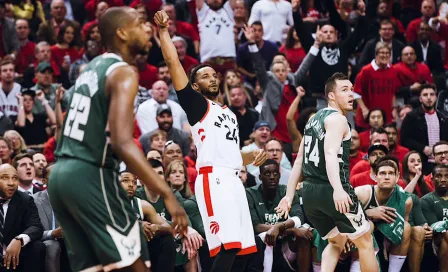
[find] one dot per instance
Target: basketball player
(100, 227)
(329, 200)
(220, 194)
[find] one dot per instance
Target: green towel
(394, 231)
(441, 226)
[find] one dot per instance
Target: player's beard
(210, 94)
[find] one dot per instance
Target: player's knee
(418, 234)
(364, 241)
(338, 241)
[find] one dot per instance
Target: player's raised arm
(336, 126)
(121, 87)
(178, 76)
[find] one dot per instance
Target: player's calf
(416, 248)
(399, 252)
(303, 249)
(332, 251)
(366, 252)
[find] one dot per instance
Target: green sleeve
(296, 209)
(192, 209)
(416, 213)
(428, 210)
(252, 208)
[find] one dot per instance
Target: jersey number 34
(77, 115)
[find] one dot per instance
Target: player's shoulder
(428, 197)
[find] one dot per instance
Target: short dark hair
(330, 85)
(383, 113)
(387, 22)
(258, 23)
(279, 54)
(61, 33)
(156, 164)
(379, 131)
(437, 144)
(7, 60)
(20, 156)
(195, 70)
(161, 64)
(427, 86)
(387, 161)
(268, 162)
(391, 125)
(438, 166)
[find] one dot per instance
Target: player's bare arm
(153, 217)
(121, 87)
(408, 208)
(257, 157)
(336, 128)
(179, 78)
(296, 173)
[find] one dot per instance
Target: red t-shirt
(398, 24)
(187, 30)
(377, 88)
(355, 160)
(365, 179)
(443, 34)
(189, 63)
(400, 152)
(294, 56)
(281, 130)
(58, 54)
(25, 57)
(412, 29)
(364, 165)
(148, 76)
(49, 148)
(408, 76)
(364, 139)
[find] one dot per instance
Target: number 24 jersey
(216, 137)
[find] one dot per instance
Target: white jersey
(8, 103)
(216, 138)
(216, 32)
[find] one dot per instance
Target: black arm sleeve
(193, 103)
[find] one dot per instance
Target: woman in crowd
(233, 78)
(293, 50)
(66, 51)
(17, 142)
(157, 140)
(412, 175)
(375, 118)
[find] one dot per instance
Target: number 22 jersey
(216, 137)
(85, 134)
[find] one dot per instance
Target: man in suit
(56, 258)
(20, 226)
(26, 173)
(430, 53)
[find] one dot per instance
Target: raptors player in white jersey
(219, 192)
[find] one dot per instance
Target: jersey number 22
(77, 115)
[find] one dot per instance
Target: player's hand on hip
(260, 157)
(180, 222)
(283, 207)
(161, 19)
(342, 200)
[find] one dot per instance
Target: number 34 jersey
(314, 165)
(85, 132)
(216, 138)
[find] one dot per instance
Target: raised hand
(249, 33)
(60, 91)
(260, 157)
(161, 19)
(295, 5)
(40, 95)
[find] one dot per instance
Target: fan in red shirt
(413, 176)
(147, 73)
(25, 55)
(64, 53)
(101, 8)
(428, 10)
(376, 86)
(181, 46)
(91, 6)
(412, 73)
(355, 154)
(395, 149)
(293, 50)
(375, 118)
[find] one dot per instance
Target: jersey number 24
(77, 115)
(312, 150)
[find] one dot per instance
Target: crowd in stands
(273, 58)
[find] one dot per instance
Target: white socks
(396, 262)
(355, 266)
(316, 267)
(268, 255)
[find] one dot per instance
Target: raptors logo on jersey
(216, 138)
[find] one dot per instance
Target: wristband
(45, 102)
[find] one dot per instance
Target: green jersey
(263, 211)
(313, 165)
(137, 207)
(159, 205)
(434, 208)
(85, 134)
(192, 210)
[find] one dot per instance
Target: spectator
(428, 10)
(172, 152)
(356, 155)
(101, 8)
(382, 10)
(164, 118)
(376, 118)
(157, 140)
(5, 123)
(274, 150)
(18, 145)
(25, 55)
(9, 43)
(30, 125)
(22, 228)
(91, 51)
(403, 111)
(93, 33)
(233, 78)
(293, 50)
(56, 258)
(30, 10)
(411, 73)
(376, 86)
(386, 35)
(181, 46)
(274, 14)
(49, 30)
(5, 150)
(241, 17)
(440, 151)
(155, 155)
(25, 173)
(65, 51)
(147, 72)
(164, 75)
(395, 149)
(40, 162)
(413, 134)
(9, 89)
(266, 48)
(216, 28)
(333, 55)
(412, 175)
(246, 116)
(42, 53)
(146, 113)
(374, 153)
(176, 176)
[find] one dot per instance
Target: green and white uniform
(317, 192)
(101, 230)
